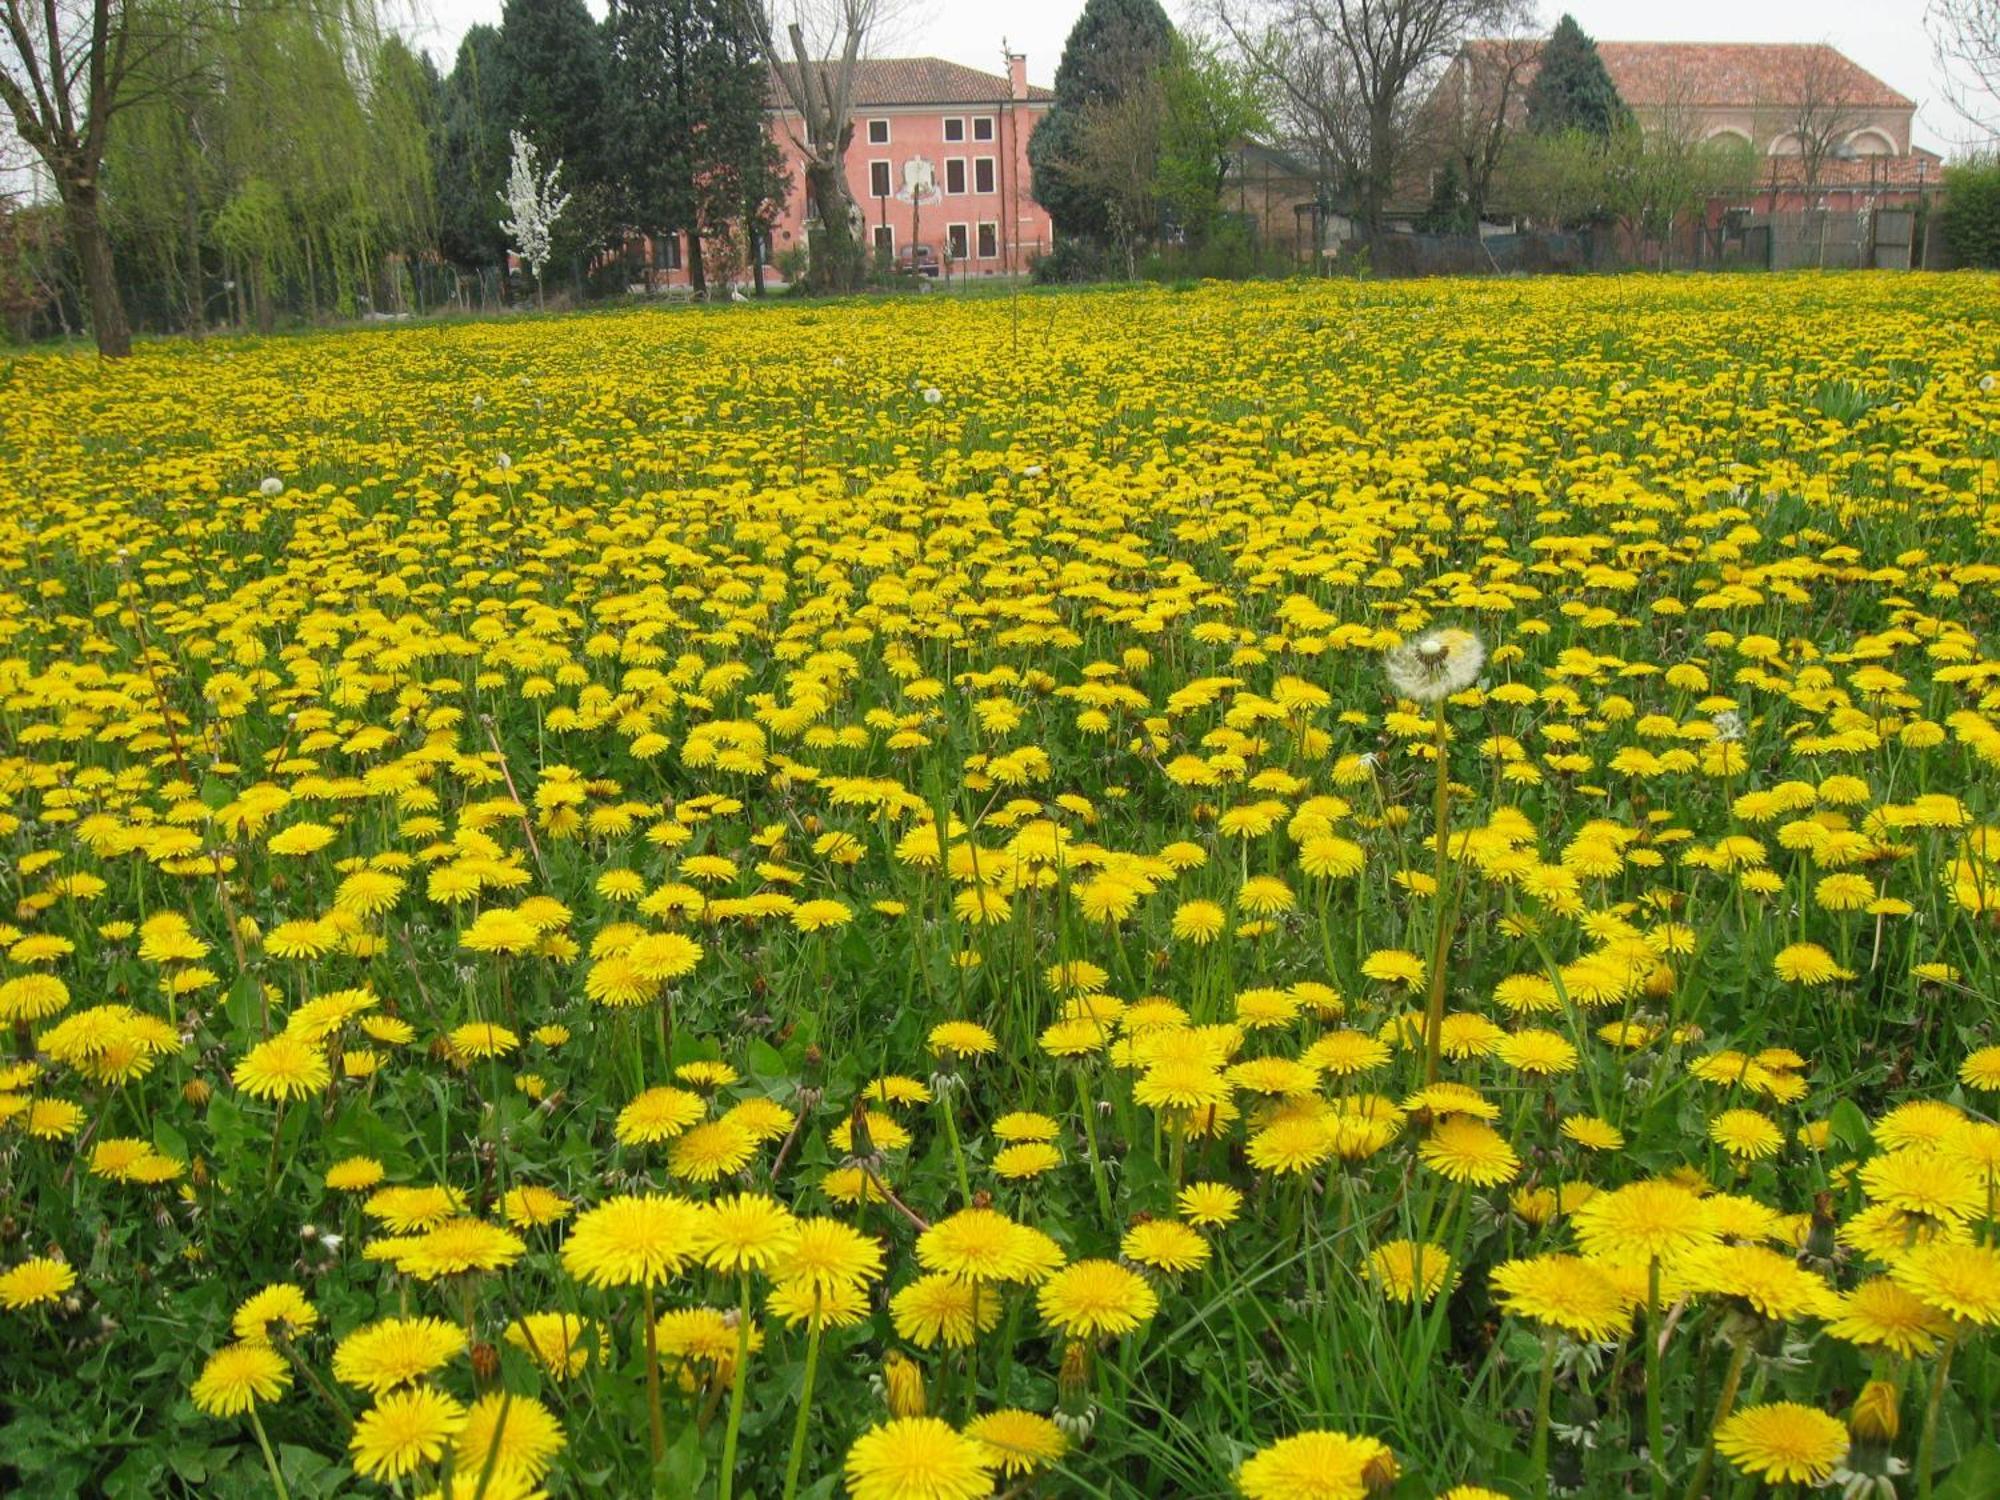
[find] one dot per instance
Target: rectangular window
(989, 241)
(982, 128)
(954, 129)
(955, 241)
(954, 174)
(982, 175)
(668, 248)
(878, 132)
(878, 179)
(885, 239)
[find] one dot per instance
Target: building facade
(1763, 95)
(938, 157)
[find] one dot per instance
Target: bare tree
(1472, 118)
(1351, 70)
(1116, 158)
(814, 48)
(67, 69)
(1965, 36)
(1818, 107)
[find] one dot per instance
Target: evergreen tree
(1114, 46)
(693, 155)
(470, 148)
(1572, 90)
(1448, 211)
(555, 65)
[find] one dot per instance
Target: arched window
(1870, 141)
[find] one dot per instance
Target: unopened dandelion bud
(903, 1385)
(1877, 1414)
(485, 1362)
(1380, 1473)
(1073, 1379)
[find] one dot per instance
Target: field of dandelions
(1292, 891)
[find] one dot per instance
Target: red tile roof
(1738, 74)
(889, 82)
(1732, 75)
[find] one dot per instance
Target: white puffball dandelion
(932, 395)
(270, 485)
(1435, 665)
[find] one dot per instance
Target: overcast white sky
(1884, 36)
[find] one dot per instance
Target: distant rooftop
(1734, 75)
(890, 82)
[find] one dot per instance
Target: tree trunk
(835, 251)
(100, 277)
(756, 249)
(197, 300)
(697, 276)
(1377, 182)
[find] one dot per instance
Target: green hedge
(1972, 212)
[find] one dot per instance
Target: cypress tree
(1572, 90)
(556, 61)
(1113, 46)
(471, 151)
(693, 156)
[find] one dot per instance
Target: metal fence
(1881, 238)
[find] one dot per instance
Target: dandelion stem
(737, 1380)
(1090, 1141)
(1927, 1443)
(957, 1151)
(1538, 1455)
(656, 1426)
(277, 1129)
(1725, 1404)
(796, 1463)
(270, 1458)
(1440, 903)
(1656, 1439)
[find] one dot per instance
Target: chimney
(1017, 74)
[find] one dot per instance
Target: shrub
(1071, 261)
(1972, 212)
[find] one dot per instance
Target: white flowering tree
(534, 203)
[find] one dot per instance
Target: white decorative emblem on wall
(919, 181)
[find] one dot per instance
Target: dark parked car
(917, 260)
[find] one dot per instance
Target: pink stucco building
(939, 157)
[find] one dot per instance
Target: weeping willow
(286, 169)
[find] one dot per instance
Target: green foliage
(1557, 179)
(285, 149)
(1571, 90)
(471, 151)
(691, 152)
(1654, 180)
(30, 264)
(1972, 212)
(1113, 46)
(556, 63)
(1449, 211)
(1210, 104)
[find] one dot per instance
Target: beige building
(1770, 96)
(1762, 94)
